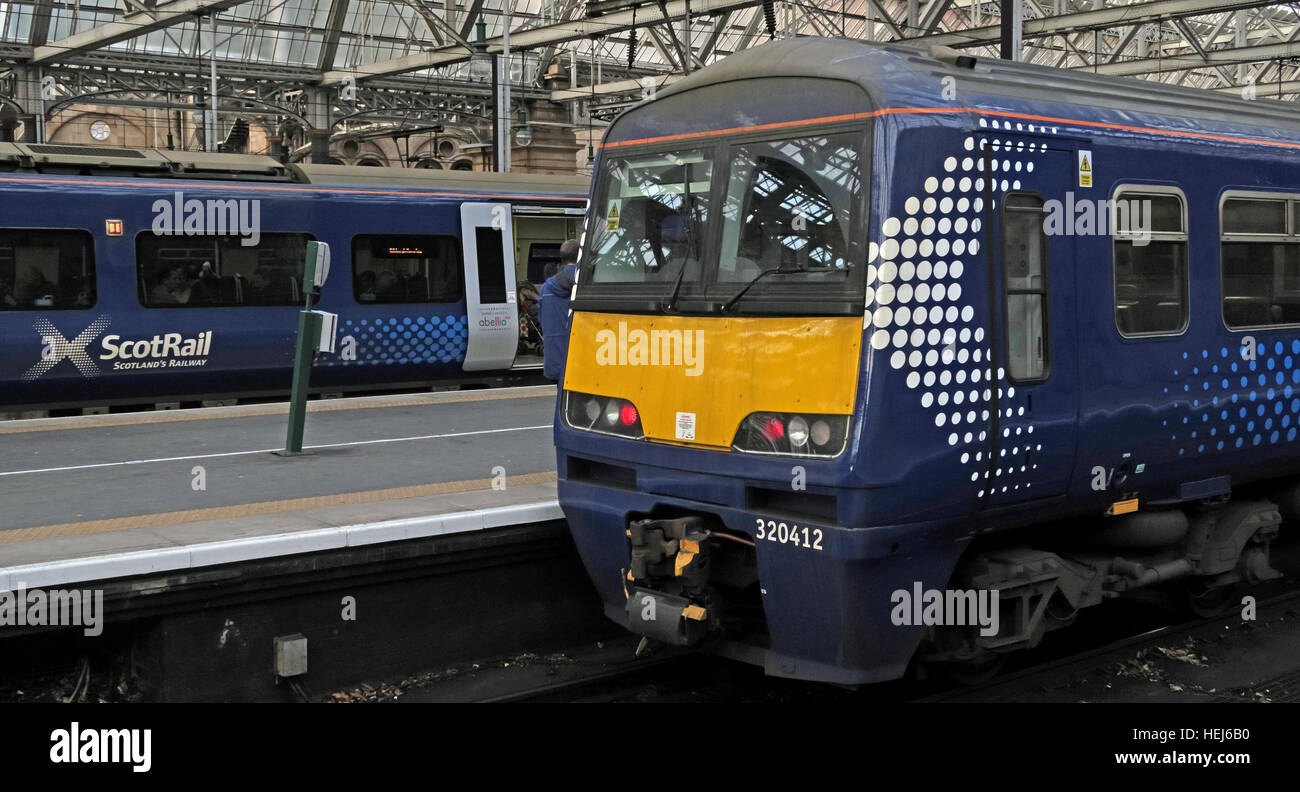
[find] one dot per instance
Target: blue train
(883, 356)
(143, 276)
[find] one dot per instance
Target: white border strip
(253, 548)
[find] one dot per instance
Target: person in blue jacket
(554, 299)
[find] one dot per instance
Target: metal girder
(565, 9)
(670, 52)
(81, 86)
(1109, 17)
(438, 26)
(127, 27)
(40, 23)
(1221, 57)
(192, 74)
(471, 16)
(887, 19)
(532, 38)
(665, 28)
(711, 43)
(329, 47)
(934, 14)
(611, 88)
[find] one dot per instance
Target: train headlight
(797, 431)
(792, 434)
(821, 433)
(602, 414)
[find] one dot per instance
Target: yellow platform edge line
(260, 509)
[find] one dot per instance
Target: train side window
(42, 269)
(1024, 261)
(406, 268)
(219, 271)
(1259, 262)
(1151, 288)
(491, 248)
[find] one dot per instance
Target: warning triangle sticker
(1085, 165)
(613, 212)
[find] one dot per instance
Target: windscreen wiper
(736, 297)
(677, 287)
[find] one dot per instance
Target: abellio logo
(494, 321)
(164, 350)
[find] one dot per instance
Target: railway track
(1076, 663)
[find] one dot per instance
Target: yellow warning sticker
(611, 217)
(1085, 168)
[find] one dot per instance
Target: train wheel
(1206, 601)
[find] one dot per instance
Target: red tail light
(628, 415)
(774, 429)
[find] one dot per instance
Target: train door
(493, 313)
(1034, 410)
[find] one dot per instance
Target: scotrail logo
(170, 350)
(683, 348)
(163, 350)
(209, 217)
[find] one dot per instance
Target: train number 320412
(788, 533)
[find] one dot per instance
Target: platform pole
(309, 324)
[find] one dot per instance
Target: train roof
(56, 158)
(897, 75)
(459, 181)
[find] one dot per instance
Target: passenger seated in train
(206, 288)
(172, 289)
(35, 289)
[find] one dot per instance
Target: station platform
(111, 496)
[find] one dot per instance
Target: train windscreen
(756, 226)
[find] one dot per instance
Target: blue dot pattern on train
(1231, 402)
(405, 339)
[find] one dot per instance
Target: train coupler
(668, 599)
(675, 621)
